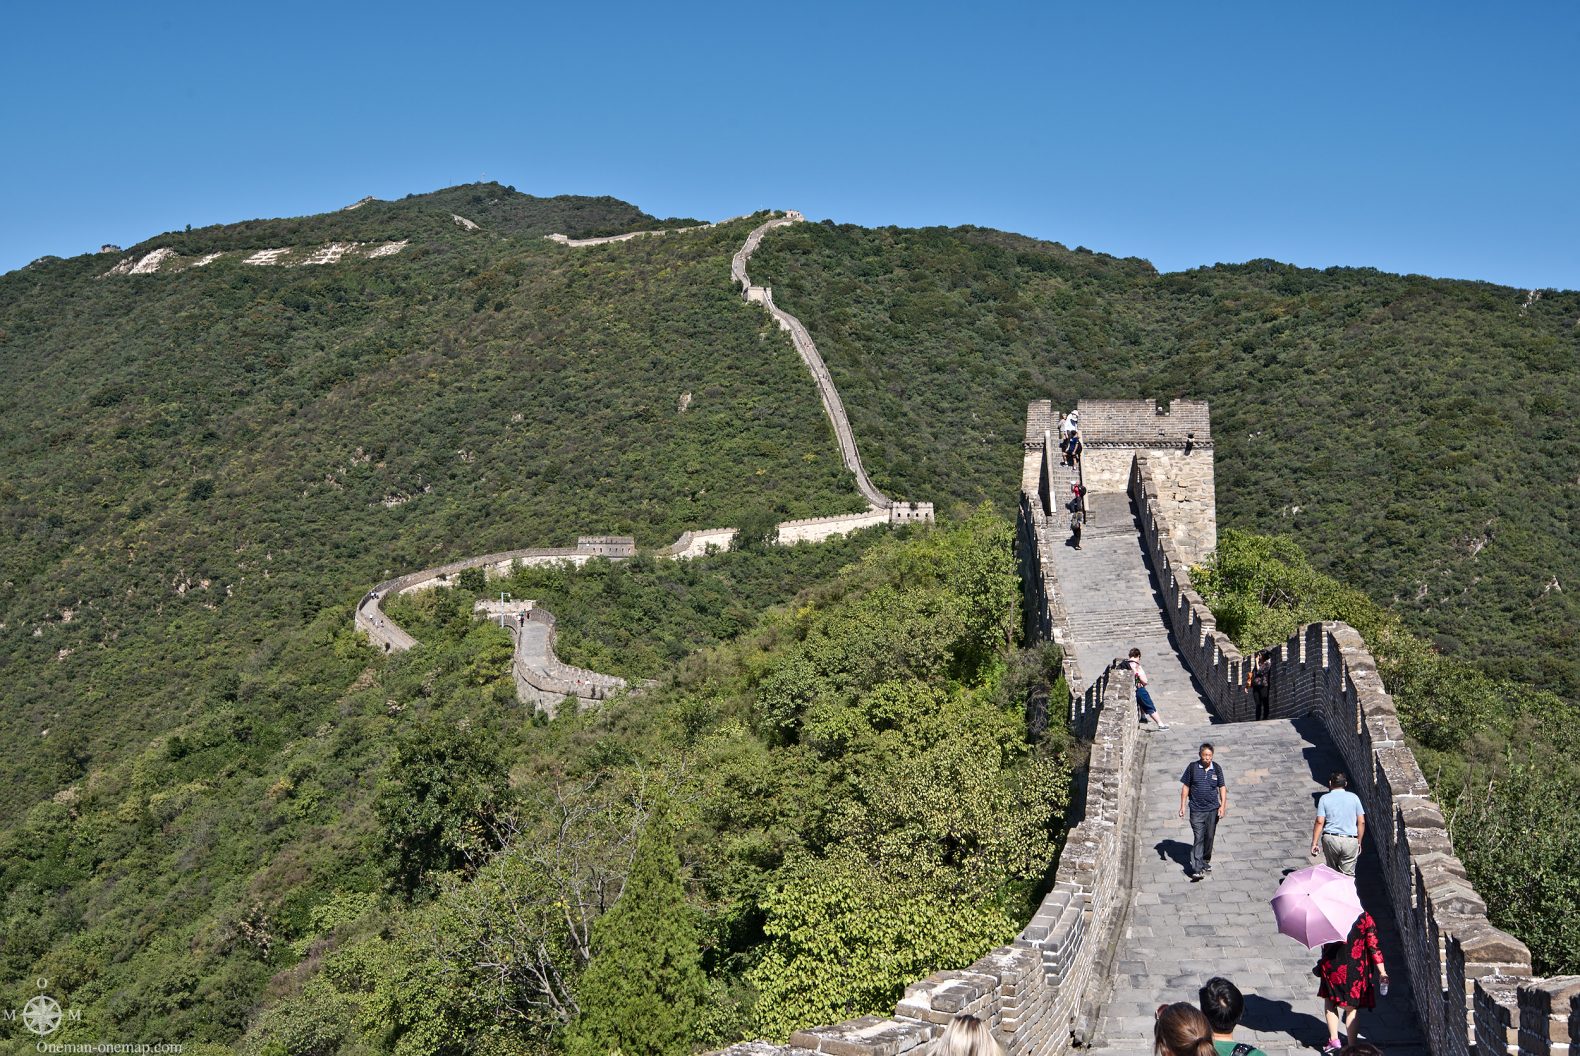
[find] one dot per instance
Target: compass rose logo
(42, 1015)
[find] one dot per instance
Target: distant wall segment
(828, 392)
(537, 666)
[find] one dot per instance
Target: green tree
(442, 791)
(644, 988)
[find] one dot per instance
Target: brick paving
(1178, 934)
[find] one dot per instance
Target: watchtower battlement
(1177, 441)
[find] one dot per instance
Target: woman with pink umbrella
(1348, 983)
(1320, 907)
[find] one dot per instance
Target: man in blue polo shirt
(1340, 826)
(1204, 790)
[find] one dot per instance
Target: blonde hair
(966, 1036)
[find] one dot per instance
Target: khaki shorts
(1341, 853)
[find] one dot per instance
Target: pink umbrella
(1316, 905)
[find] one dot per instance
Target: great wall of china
(541, 679)
(1122, 929)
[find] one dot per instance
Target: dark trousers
(1263, 699)
(1204, 826)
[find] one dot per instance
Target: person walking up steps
(1340, 826)
(1075, 529)
(1144, 701)
(1204, 790)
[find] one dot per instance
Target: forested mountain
(1416, 436)
(198, 462)
(227, 821)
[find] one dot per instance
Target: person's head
(1360, 1048)
(1135, 654)
(1222, 1004)
(1205, 752)
(1338, 780)
(966, 1036)
(1182, 1030)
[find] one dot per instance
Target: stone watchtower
(1177, 442)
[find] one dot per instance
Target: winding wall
(1469, 982)
(833, 406)
(540, 678)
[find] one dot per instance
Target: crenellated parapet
(1472, 980)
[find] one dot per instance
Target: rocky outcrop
(165, 260)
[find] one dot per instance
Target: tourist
(1144, 701)
(1223, 1005)
(1064, 428)
(1340, 826)
(1075, 529)
(1073, 451)
(1203, 790)
(966, 1036)
(1181, 1030)
(1262, 684)
(1348, 982)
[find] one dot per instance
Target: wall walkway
(1124, 929)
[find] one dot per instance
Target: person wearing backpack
(1223, 1005)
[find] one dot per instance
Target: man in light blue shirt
(1340, 826)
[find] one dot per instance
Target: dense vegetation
(200, 464)
(637, 619)
(1415, 435)
(860, 756)
(223, 821)
(1502, 758)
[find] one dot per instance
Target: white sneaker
(1163, 725)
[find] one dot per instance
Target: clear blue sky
(1438, 138)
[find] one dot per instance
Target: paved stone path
(1179, 934)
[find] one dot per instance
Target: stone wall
(700, 543)
(386, 634)
(542, 678)
(816, 529)
(1471, 981)
(833, 406)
